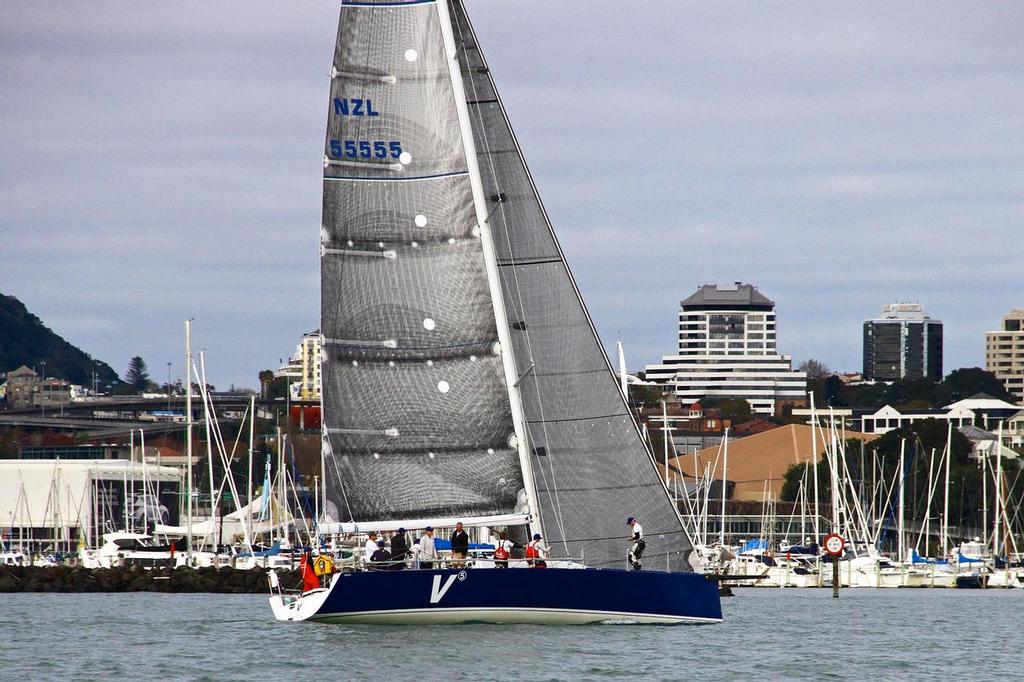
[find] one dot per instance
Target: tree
(647, 394)
(815, 369)
(735, 409)
(798, 474)
(967, 381)
(137, 375)
(272, 387)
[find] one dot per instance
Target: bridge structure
(118, 416)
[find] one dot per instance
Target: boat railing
(447, 562)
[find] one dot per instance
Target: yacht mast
(725, 468)
(945, 498)
(188, 429)
(999, 495)
(814, 464)
(899, 527)
(493, 278)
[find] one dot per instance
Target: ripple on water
(767, 634)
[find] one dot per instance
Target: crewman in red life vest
(536, 553)
(310, 580)
(502, 551)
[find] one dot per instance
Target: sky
(162, 161)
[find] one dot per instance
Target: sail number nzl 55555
(366, 149)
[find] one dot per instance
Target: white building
(53, 504)
(303, 368)
(727, 349)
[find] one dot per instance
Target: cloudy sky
(162, 160)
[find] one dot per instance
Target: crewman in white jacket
(370, 547)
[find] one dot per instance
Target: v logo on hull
(437, 592)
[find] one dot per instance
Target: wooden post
(835, 577)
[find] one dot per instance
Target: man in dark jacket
(399, 549)
(381, 559)
(460, 545)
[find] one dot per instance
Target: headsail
(417, 421)
(590, 464)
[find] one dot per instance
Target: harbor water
(767, 634)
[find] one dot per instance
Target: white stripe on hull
(535, 616)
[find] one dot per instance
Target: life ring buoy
(323, 565)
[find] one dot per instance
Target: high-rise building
(903, 343)
(727, 350)
(303, 368)
(1004, 353)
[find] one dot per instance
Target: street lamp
(168, 387)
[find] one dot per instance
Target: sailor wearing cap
(636, 543)
(381, 558)
(536, 552)
(399, 549)
(427, 551)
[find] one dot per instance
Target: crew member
(380, 560)
(636, 543)
(460, 546)
(427, 553)
(399, 549)
(536, 552)
(371, 546)
(503, 550)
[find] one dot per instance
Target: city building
(1013, 432)
(727, 349)
(903, 343)
(689, 427)
(53, 504)
(1004, 353)
(758, 464)
(980, 410)
(303, 368)
(22, 387)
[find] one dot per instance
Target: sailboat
(462, 378)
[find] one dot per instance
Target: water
(770, 634)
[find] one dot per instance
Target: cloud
(162, 162)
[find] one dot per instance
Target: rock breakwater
(137, 579)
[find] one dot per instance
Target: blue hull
(517, 595)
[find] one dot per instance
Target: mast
(209, 435)
(999, 495)
(508, 362)
(188, 429)
(664, 427)
(945, 498)
(623, 385)
(899, 525)
(248, 481)
(814, 461)
(928, 507)
(725, 468)
(984, 500)
(145, 484)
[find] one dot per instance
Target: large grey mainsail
(417, 420)
(591, 467)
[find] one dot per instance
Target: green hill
(25, 340)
